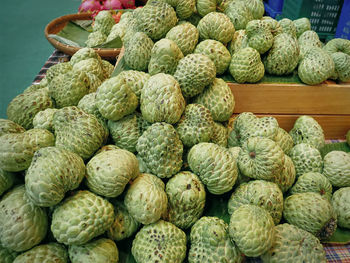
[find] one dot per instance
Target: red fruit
(89, 5)
(117, 17)
(112, 4)
(128, 4)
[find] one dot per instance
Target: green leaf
(338, 146)
(64, 40)
(74, 33)
(85, 24)
(121, 66)
(340, 236)
(115, 43)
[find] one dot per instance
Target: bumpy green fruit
(88, 104)
(43, 119)
(243, 121)
(101, 250)
(286, 178)
(161, 99)
(210, 242)
(288, 27)
(7, 255)
(301, 25)
(184, 8)
(81, 217)
(256, 7)
(95, 39)
(259, 35)
(275, 27)
(219, 135)
(341, 205)
(293, 244)
(338, 45)
(159, 242)
(311, 212)
(307, 40)
(252, 229)
(233, 139)
(239, 14)
(61, 68)
(90, 65)
(205, 7)
(52, 252)
(7, 126)
(185, 36)
(22, 224)
(284, 140)
(239, 41)
(336, 168)
(104, 22)
(234, 151)
(82, 54)
(7, 179)
(342, 66)
(214, 165)
(135, 79)
(118, 30)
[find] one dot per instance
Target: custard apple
(118, 30)
(63, 67)
(205, 7)
(239, 14)
(342, 66)
(301, 25)
(184, 8)
(275, 27)
(43, 119)
(82, 54)
(259, 35)
(185, 36)
(307, 40)
(286, 178)
(8, 126)
(256, 7)
(95, 39)
(284, 140)
(7, 255)
(104, 22)
(7, 179)
(239, 41)
(135, 79)
(219, 135)
(51, 252)
(338, 45)
(341, 205)
(336, 168)
(92, 66)
(288, 27)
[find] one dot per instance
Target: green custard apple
(301, 25)
(336, 167)
(92, 66)
(341, 205)
(275, 27)
(63, 67)
(307, 40)
(7, 255)
(185, 36)
(104, 22)
(342, 66)
(286, 178)
(135, 79)
(284, 140)
(7, 179)
(95, 39)
(239, 14)
(338, 45)
(288, 27)
(51, 252)
(256, 7)
(239, 41)
(205, 7)
(82, 54)
(43, 119)
(8, 126)
(259, 35)
(219, 135)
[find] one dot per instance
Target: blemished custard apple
(95, 39)
(23, 225)
(216, 26)
(7, 179)
(217, 52)
(307, 130)
(161, 99)
(25, 106)
(219, 135)
(341, 205)
(286, 178)
(81, 217)
(51, 174)
(90, 65)
(293, 244)
(243, 121)
(301, 25)
(185, 36)
(82, 54)
(336, 167)
(288, 27)
(256, 7)
(239, 41)
(104, 22)
(194, 72)
(124, 224)
(45, 253)
(261, 193)
(88, 104)
(306, 158)
(115, 99)
(338, 45)
(252, 229)
(246, 66)
(7, 255)
(62, 68)
(311, 212)
(342, 66)
(101, 250)
(108, 172)
(214, 165)
(275, 27)
(8, 126)
(78, 131)
(196, 125)
(233, 139)
(219, 99)
(135, 79)
(239, 14)
(259, 35)
(283, 57)
(284, 140)
(165, 56)
(159, 242)
(43, 119)
(261, 158)
(313, 182)
(307, 40)
(145, 199)
(210, 242)
(205, 7)
(17, 149)
(186, 199)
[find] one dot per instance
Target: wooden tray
(59, 23)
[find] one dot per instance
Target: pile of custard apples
(89, 159)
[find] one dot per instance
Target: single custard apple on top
(7, 255)
(239, 14)
(288, 27)
(286, 178)
(101, 250)
(60, 68)
(301, 25)
(214, 165)
(341, 205)
(293, 244)
(104, 22)
(205, 7)
(219, 135)
(242, 121)
(7, 179)
(311, 212)
(210, 242)
(96, 38)
(159, 242)
(145, 199)
(82, 54)
(23, 225)
(45, 253)
(239, 41)
(342, 66)
(135, 79)
(338, 45)
(161, 99)
(252, 229)
(284, 140)
(336, 167)
(185, 36)
(186, 199)
(259, 35)
(275, 27)
(43, 119)
(8, 126)
(81, 217)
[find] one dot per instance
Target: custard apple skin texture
(288, 27)
(82, 54)
(284, 140)
(7, 180)
(259, 35)
(8, 126)
(336, 168)
(341, 205)
(210, 242)
(342, 66)
(220, 135)
(81, 217)
(286, 178)
(338, 45)
(301, 25)
(135, 79)
(90, 65)
(159, 242)
(43, 119)
(205, 7)
(239, 14)
(103, 22)
(239, 41)
(64, 67)
(95, 39)
(185, 36)
(7, 255)
(51, 252)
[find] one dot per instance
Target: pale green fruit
(217, 52)
(51, 252)
(78, 131)
(342, 66)
(108, 172)
(81, 217)
(307, 130)
(210, 242)
(256, 7)
(234, 151)
(259, 35)
(185, 36)
(88, 104)
(284, 140)
(95, 39)
(101, 250)
(196, 125)
(261, 158)
(233, 139)
(216, 26)
(219, 135)
(288, 27)
(92, 66)
(239, 41)
(60, 68)
(165, 56)
(336, 167)
(124, 224)
(115, 99)
(17, 149)
(205, 7)
(219, 99)
(194, 72)
(104, 22)
(107, 69)
(22, 224)
(307, 40)
(306, 158)
(186, 199)
(7, 255)
(161, 99)
(283, 57)
(107, 148)
(25, 106)
(82, 54)
(338, 45)
(239, 14)
(159, 242)
(286, 178)
(313, 182)
(7, 126)
(246, 66)
(7, 180)
(214, 165)
(341, 205)
(311, 212)
(52, 173)
(135, 79)
(275, 27)
(43, 119)
(184, 8)
(252, 229)
(293, 244)
(118, 30)
(146, 199)
(301, 25)
(35, 87)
